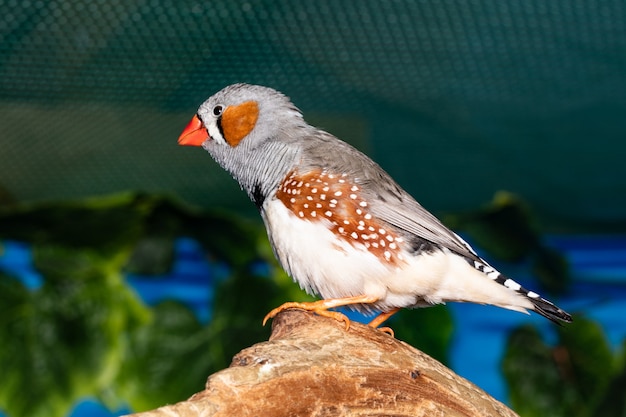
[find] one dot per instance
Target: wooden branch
(312, 366)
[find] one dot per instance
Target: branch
(312, 366)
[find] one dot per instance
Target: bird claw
(387, 330)
(314, 307)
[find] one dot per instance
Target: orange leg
(321, 307)
(381, 318)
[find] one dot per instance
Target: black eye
(217, 110)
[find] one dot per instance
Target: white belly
(325, 265)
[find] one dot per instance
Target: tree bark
(312, 366)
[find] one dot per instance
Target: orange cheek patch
(238, 121)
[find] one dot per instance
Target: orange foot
(382, 317)
(321, 307)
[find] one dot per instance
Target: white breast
(325, 265)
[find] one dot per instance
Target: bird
(339, 224)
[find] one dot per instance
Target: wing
(406, 214)
(388, 202)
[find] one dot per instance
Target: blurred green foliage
(85, 332)
(67, 338)
(579, 376)
(507, 229)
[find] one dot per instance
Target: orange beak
(194, 134)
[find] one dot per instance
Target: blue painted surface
(16, 259)
(191, 280)
(90, 407)
(598, 265)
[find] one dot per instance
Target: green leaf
(551, 269)
(152, 255)
(535, 379)
(589, 362)
(62, 341)
(614, 402)
(104, 224)
(241, 302)
(163, 361)
(504, 227)
(569, 379)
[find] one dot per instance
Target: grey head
(253, 134)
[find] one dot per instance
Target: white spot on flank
(292, 200)
(360, 227)
(346, 222)
(368, 217)
(328, 213)
(342, 181)
(392, 246)
(354, 235)
(363, 204)
(359, 211)
(341, 229)
(306, 205)
(318, 205)
(338, 193)
(313, 214)
(382, 231)
(299, 184)
(314, 190)
(308, 197)
(354, 188)
(390, 238)
(325, 189)
(532, 294)
(301, 214)
(387, 255)
(353, 196)
(323, 196)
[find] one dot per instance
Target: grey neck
(260, 170)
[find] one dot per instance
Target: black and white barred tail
(540, 305)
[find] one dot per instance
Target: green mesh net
(456, 99)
